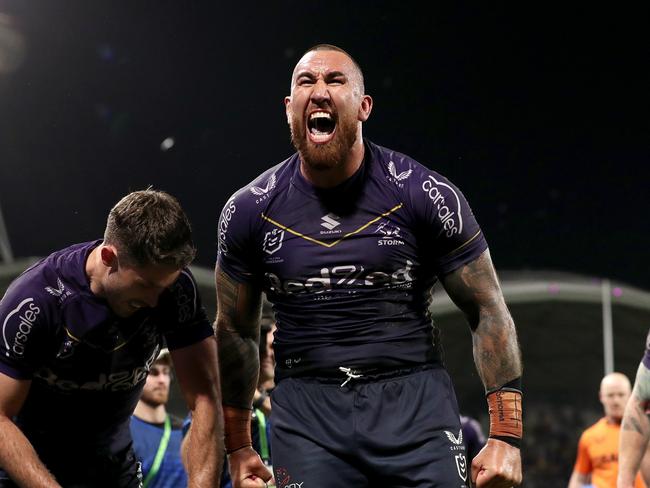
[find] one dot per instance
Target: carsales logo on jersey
(226, 217)
(25, 315)
(452, 220)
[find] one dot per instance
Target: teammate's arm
(197, 370)
(475, 289)
(17, 456)
(635, 431)
(239, 307)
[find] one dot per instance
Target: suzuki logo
(330, 221)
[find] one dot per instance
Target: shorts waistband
(346, 375)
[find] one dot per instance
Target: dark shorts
(399, 431)
(121, 470)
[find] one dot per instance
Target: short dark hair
(332, 47)
(150, 227)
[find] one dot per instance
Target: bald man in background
(597, 461)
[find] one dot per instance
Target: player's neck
(92, 271)
(335, 176)
(613, 420)
(149, 413)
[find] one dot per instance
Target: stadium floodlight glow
(167, 144)
(12, 45)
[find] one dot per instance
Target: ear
(287, 104)
(109, 257)
(365, 108)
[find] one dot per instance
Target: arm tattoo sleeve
(238, 328)
(642, 383)
(475, 289)
(635, 415)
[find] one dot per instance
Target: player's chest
(311, 247)
(110, 359)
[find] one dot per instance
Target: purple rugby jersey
(87, 365)
(349, 270)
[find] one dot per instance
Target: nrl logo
(273, 241)
(398, 177)
(461, 466)
(270, 184)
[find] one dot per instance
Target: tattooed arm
(475, 289)
(635, 432)
(239, 306)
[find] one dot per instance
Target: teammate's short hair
(150, 227)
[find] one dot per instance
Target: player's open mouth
(321, 127)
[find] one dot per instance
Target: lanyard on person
(162, 447)
(264, 443)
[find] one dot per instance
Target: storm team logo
(390, 235)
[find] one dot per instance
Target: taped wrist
(237, 428)
(505, 409)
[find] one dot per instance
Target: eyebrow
(328, 75)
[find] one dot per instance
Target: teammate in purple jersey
(80, 330)
(347, 239)
(634, 449)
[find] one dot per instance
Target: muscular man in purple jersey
(80, 330)
(347, 239)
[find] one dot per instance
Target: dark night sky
(540, 115)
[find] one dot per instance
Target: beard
(156, 397)
(322, 157)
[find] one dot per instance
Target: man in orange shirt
(597, 460)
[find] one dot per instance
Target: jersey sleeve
(583, 461)
(26, 329)
(452, 235)
(186, 322)
(235, 250)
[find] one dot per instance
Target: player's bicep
(642, 385)
(13, 393)
(474, 288)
